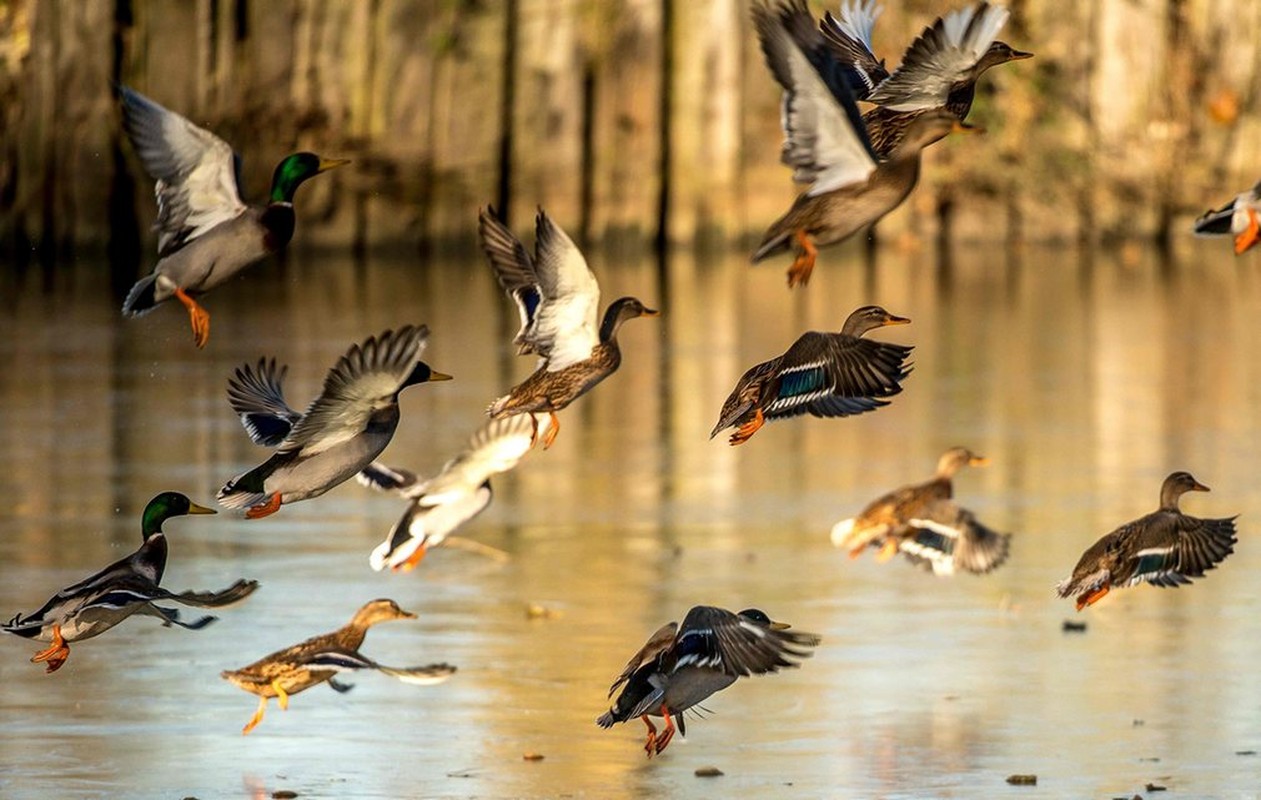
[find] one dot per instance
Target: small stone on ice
(708, 772)
(1022, 780)
(532, 756)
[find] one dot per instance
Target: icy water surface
(1084, 380)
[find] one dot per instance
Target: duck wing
(515, 271)
(946, 537)
(196, 173)
(339, 659)
(940, 57)
(1178, 547)
(255, 394)
(365, 379)
(714, 638)
(496, 447)
(657, 645)
(825, 140)
(566, 330)
(849, 39)
(836, 375)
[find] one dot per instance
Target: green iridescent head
(296, 168)
(165, 506)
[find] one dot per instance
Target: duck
(938, 71)
(440, 505)
(128, 586)
(946, 538)
(885, 520)
(1238, 217)
(206, 233)
(1166, 548)
(682, 665)
(340, 433)
(321, 658)
(558, 299)
(823, 374)
(827, 145)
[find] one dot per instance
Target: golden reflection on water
(1085, 379)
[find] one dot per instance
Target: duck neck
(279, 221)
(609, 327)
(1169, 496)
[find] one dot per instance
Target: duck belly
(690, 686)
(212, 258)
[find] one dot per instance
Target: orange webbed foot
(553, 428)
(412, 560)
(799, 272)
(55, 655)
(271, 506)
(666, 735)
(198, 317)
(257, 718)
(650, 746)
(746, 431)
(1250, 236)
(887, 550)
(1092, 597)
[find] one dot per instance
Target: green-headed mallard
(939, 70)
(559, 301)
(1239, 217)
(826, 144)
(946, 538)
(1164, 548)
(206, 233)
(681, 665)
(441, 504)
(823, 374)
(340, 433)
(318, 659)
(886, 521)
(128, 586)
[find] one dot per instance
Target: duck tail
(143, 296)
(775, 241)
(1216, 222)
(607, 720)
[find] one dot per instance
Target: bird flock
(856, 167)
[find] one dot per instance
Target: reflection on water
(1085, 381)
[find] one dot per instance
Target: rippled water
(1086, 380)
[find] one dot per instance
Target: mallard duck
(1164, 548)
(947, 538)
(320, 658)
(681, 665)
(823, 374)
(826, 144)
(939, 70)
(128, 586)
(461, 491)
(340, 433)
(885, 520)
(206, 233)
(558, 298)
(1238, 217)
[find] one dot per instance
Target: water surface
(1085, 380)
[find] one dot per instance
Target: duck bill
(963, 127)
(439, 376)
(332, 163)
(651, 312)
(780, 626)
(978, 461)
(1019, 55)
(893, 320)
(406, 614)
(1199, 487)
(193, 508)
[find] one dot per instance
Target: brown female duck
(1166, 548)
(939, 70)
(822, 374)
(318, 659)
(827, 145)
(558, 299)
(886, 520)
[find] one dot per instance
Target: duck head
(165, 506)
(869, 318)
(619, 311)
(759, 617)
(294, 169)
(956, 458)
(423, 373)
(1176, 485)
(382, 610)
(998, 53)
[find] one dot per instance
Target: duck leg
(257, 718)
(668, 733)
(282, 697)
(553, 428)
(746, 431)
(198, 317)
(1091, 597)
(650, 745)
(265, 509)
(55, 654)
(412, 560)
(1250, 234)
(801, 268)
(888, 550)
